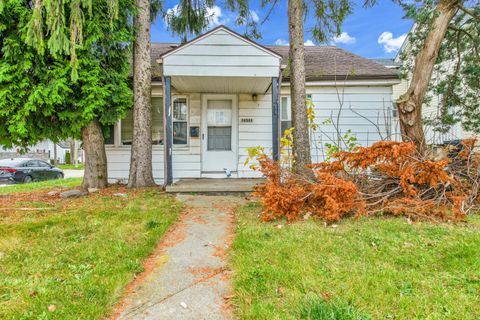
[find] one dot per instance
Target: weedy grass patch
(371, 268)
(74, 260)
(35, 186)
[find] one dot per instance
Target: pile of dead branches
(388, 177)
(393, 177)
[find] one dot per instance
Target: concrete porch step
(206, 185)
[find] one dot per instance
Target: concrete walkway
(189, 279)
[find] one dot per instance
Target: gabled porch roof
(221, 61)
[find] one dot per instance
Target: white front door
(219, 133)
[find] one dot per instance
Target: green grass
(374, 268)
(71, 166)
(34, 186)
(79, 256)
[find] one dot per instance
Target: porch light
(254, 97)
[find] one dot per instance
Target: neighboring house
(432, 109)
(221, 93)
(397, 90)
(44, 150)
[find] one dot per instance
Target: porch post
(275, 120)
(168, 136)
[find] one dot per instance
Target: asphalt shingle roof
(321, 63)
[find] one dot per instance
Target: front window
(180, 125)
(157, 124)
(127, 128)
(157, 120)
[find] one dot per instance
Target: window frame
(117, 141)
(289, 107)
(187, 120)
(289, 114)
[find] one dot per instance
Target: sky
(376, 32)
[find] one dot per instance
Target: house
(46, 150)
(220, 93)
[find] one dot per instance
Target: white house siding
(258, 132)
(255, 128)
(221, 53)
(186, 159)
(366, 111)
(43, 150)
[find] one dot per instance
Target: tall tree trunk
(410, 104)
(141, 159)
(301, 141)
(95, 175)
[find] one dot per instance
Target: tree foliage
(189, 17)
(54, 79)
(457, 68)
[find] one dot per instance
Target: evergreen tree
(64, 73)
(457, 64)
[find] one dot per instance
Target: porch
(214, 186)
(235, 106)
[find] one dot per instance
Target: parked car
(20, 170)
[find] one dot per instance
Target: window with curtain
(157, 124)
(285, 114)
(180, 118)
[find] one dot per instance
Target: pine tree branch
(467, 11)
(269, 12)
(460, 30)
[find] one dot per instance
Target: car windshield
(10, 162)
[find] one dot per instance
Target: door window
(219, 125)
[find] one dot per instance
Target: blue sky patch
(376, 32)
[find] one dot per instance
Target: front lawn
(35, 186)
(79, 166)
(71, 259)
(374, 268)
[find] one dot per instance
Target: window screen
(219, 138)
(219, 122)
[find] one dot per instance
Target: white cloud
(344, 38)
(213, 15)
(172, 11)
(391, 44)
(254, 15)
(309, 43)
